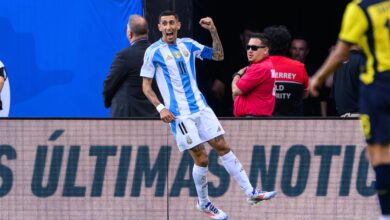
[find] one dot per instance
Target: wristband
(237, 74)
(160, 107)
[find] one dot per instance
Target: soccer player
(172, 61)
(367, 23)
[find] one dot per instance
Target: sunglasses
(254, 47)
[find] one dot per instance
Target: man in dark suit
(123, 86)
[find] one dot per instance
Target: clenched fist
(207, 23)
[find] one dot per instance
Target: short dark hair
(138, 25)
(280, 39)
(168, 13)
(264, 39)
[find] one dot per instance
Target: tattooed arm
(208, 24)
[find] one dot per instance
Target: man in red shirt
(253, 87)
(291, 77)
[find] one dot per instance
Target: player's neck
(169, 43)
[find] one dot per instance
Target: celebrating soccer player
(171, 61)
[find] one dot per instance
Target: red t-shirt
(257, 85)
(291, 84)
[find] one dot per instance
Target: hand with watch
(235, 90)
(240, 73)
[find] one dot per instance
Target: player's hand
(207, 23)
(314, 85)
(167, 116)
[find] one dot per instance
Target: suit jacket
(122, 90)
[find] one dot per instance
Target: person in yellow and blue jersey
(367, 23)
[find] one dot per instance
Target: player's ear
(178, 25)
(160, 27)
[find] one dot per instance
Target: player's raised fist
(207, 23)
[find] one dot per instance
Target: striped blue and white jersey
(173, 65)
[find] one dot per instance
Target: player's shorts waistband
(382, 77)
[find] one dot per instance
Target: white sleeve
(196, 48)
(201, 51)
(148, 69)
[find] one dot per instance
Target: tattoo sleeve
(217, 46)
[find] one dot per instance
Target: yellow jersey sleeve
(354, 24)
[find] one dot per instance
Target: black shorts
(375, 112)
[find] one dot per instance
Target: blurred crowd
(215, 81)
